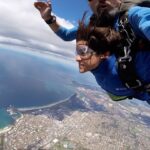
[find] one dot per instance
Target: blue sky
(70, 9)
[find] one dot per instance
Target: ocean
(30, 79)
(5, 118)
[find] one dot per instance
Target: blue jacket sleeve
(139, 17)
(67, 34)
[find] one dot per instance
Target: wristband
(51, 20)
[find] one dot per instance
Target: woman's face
(88, 61)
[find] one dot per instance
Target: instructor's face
(93, 4)
(108, 9)
(109, 4)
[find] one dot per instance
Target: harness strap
(127, 73)
(125, 59)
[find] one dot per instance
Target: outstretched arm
(45, 11)
(139, 18)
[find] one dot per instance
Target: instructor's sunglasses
(84, 51)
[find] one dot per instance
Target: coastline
(21, 110)
(45, 106)
(8, 128)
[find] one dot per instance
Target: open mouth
(103, 5)
(81, 65)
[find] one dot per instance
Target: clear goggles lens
(83, 50)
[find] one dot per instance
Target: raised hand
(45, 9)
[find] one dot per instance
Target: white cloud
(22, 25)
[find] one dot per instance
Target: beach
(8, 128)
(45, 106)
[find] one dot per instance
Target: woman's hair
(100, 39)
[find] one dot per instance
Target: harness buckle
(125, 59)
(135, 86)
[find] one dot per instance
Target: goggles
(84, 51)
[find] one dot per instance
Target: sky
(70, 9)
(22, 26)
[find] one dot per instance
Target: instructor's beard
(107, 18)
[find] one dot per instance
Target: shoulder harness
(125, 59)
